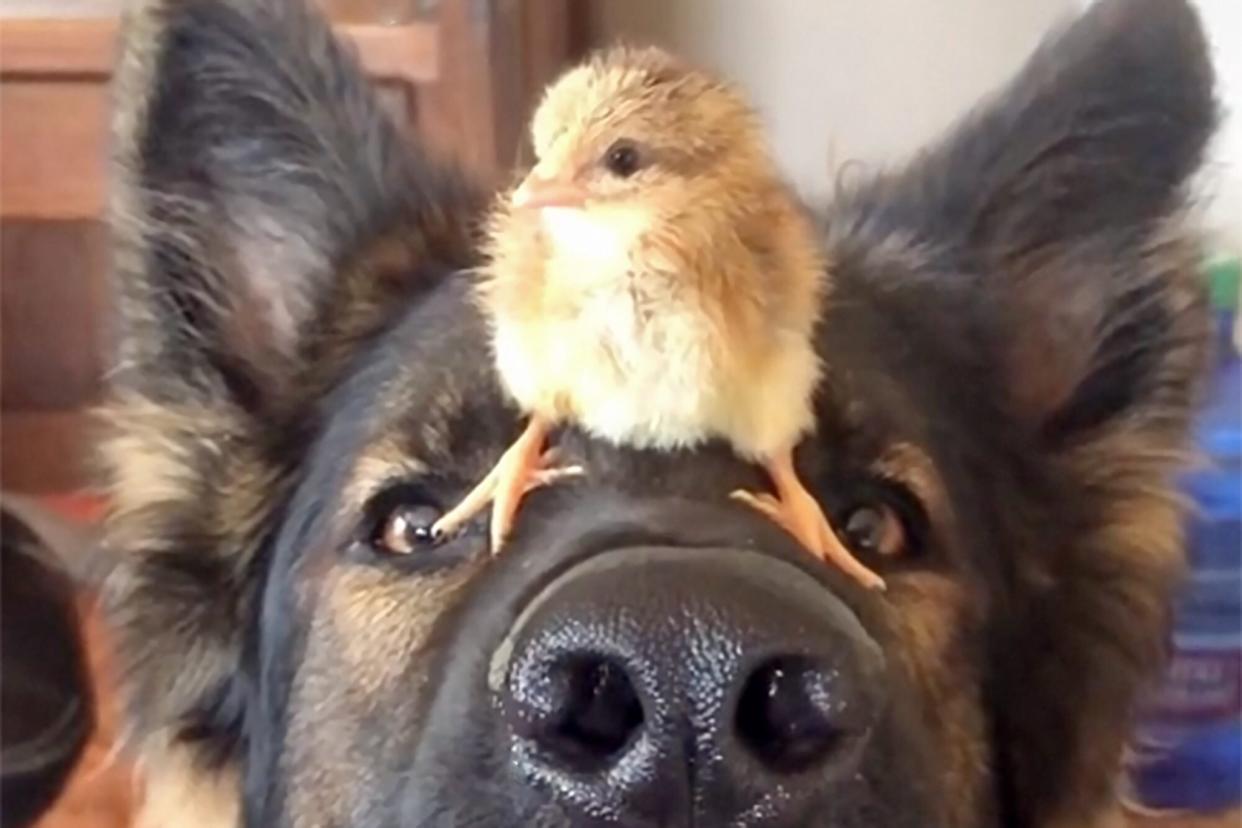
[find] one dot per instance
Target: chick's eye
(406, 529)
(623, 159)
(876, 529)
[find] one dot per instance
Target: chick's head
(637, 130)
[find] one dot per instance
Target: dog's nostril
(593, 713)
(787, 714)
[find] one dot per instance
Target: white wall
(843, 80)
(873, 80)
(1223, 19)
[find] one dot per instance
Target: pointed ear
(1055, 214)
(1098, 133)
(1061, 195)
(252, 161)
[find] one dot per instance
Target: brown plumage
(654, 282)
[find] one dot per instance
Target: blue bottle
(1186, 755)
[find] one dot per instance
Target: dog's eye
(875, 529)
(623, 158)
(396, 531)
(400, 520)
(407, 529)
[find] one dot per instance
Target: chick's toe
(799, 513)
(523, 467)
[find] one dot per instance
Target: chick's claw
(798, 520)
(510, 491)
(806, 522)
(761, 502)
(461, 514)
(549, 475)
(523, 467)
(800, 515)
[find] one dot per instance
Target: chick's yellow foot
(524, 466)
(510, 491)
(799, 514)
(548, 473)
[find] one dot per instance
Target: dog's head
(1011, 351)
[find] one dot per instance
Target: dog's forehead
(427, 378)
(422, 399)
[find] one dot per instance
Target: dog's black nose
(669, 685)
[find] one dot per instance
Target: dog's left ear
(1064, 283)
(1082, 243)
(1060, 197)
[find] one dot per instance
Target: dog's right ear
(252, 163)
(255, 177)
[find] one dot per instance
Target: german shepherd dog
(1013, 348)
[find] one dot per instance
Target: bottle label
(1201, 686)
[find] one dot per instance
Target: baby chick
(653, 282)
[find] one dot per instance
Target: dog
(1013, 345)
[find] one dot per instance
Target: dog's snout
(795, 711)
(656, 685)
(581, 711)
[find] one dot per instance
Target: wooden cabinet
(458, 74)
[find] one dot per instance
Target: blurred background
(843, 87)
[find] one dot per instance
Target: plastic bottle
(1186, 754)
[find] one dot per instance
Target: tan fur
(372, 627)
(1138, 556)
(1109, 816)
(153, 452)
(177, 791)
(906, 464)
(153, 456)
(929, 613)
(382, 463)
(688, 291)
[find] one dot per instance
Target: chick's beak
(538, 191)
